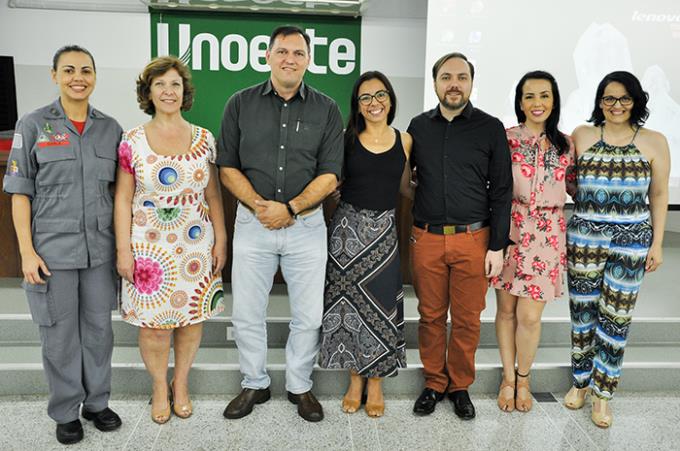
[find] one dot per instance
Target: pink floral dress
(172, 236)
(534, 266)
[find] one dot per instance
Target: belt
(450, 229)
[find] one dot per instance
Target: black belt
(450, 229)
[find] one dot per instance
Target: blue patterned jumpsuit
(607, 243)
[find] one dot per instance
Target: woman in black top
(363, 301)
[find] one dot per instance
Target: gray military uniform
(68, 177)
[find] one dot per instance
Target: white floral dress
(172, 236)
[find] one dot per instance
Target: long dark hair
(356, 123)
(639, 113)
(554, 135)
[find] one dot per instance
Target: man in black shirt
(460, 228)
(280, 154)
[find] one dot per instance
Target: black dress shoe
(104, 420)
(462, 405)
(426, 402)
(307, 406)
(243, 404)
(70, 433)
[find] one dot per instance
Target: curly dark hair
(156, 68)
(639, 113)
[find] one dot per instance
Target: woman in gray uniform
(61, 166)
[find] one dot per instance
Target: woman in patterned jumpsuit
(614, 237)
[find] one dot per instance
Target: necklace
(376, 139)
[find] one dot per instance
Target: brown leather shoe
(243, 404)
(308, 407)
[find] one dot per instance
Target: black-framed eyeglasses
(381, 96)
(623, 100)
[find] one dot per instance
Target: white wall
(393, 41)
(120, 43)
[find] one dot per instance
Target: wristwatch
(290, 210)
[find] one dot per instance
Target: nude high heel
(183, 411)
(576, 398)
(602, 415)
(162, 416)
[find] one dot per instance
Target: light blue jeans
(301, 251)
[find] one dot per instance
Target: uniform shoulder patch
(13, 168)
(18, 141)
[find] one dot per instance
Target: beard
(453, 105)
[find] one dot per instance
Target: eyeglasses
(381, 96)
(623, 100)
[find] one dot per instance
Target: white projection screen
(578, 41)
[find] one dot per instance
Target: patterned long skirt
(363, 320)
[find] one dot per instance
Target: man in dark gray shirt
(280, 153)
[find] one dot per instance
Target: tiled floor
(642, 422)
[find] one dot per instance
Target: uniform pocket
(57, 240)
(106, 163)
(39, 302)
(57, 166)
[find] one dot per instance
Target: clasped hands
(273, 215)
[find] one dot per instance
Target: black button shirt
(464, 171)
(281, 145)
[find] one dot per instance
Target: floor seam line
(571, 445)
(139, 419)
(577, 423)
(351, 436)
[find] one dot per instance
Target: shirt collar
(466, 113)
(267, 89)
(56, 111)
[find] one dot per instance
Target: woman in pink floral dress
(170, 233)
(542, 166)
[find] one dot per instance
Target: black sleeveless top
(372, 180)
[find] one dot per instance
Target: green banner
(226, 53)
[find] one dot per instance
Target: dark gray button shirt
(279, 145)
(68, 178)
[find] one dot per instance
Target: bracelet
(290, 210)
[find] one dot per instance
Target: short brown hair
(440, 62)
(156, 68)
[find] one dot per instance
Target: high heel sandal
(183, 411)
(576, 398)
(523, 404)
(162, 416)
(505, 403)
(377, 409)
(351, 405)
(602, 417)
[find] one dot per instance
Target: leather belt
(450, 229)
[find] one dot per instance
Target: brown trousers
(448, 273)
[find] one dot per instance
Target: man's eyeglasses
(623, 100)
(381, 96)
